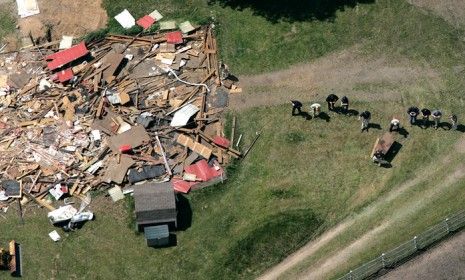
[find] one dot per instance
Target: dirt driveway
(448, 255)
(345, 73)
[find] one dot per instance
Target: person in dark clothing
(437, 118)
(365, 118)
(345, 104)
(426, 113)
(454, 121)
(296, 106)
(331, 99)
(413, 112)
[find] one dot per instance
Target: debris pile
(112, 113)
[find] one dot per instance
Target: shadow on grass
(402, 131)
(292, 10)
(374, 126)
(324, 116)
(349, 112)
(461, 128)
(445, 126)
(270, 242)
(184, 209)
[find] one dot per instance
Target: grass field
(7, 22)
(301, 178)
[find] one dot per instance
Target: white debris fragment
(125, 19)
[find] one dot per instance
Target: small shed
(157, 236)
(155, 204)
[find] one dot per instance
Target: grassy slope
(249, 43)
(288, 175)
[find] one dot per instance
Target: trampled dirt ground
(68, 17)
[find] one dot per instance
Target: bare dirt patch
(67, 17)
(345, 73)
(453, 11)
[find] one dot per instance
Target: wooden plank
(40, 202)
(374, 148)
(200, 149)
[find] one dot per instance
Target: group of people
(365, 116)
(315, 108)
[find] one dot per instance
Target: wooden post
(167, 166)
(251, 145)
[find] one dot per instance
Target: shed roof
(156, 232)
(154, 203)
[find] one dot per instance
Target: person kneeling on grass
(413, 112)
(296, 105)
(437, 118)
(331, 99)
(345, 104)
(426, 113)
(365, 118)
(315, 109)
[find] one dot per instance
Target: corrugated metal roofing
(174, 37)
(66, 56)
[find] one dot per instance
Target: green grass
(275, 201)
(250, 43)
(300, 179)
(7, 22)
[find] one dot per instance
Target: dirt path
(449, 255)
(305, 252)
(348, 72)
(320, 270)
(325, 266)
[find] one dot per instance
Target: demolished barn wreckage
(112, 113)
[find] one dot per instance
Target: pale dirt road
(348, 72)
(448, 256)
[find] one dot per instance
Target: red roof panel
(65, 75)
(221, 141)
(181, 185)
(66, 56)
(203, 171)
(174, 37)
(145, 22)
